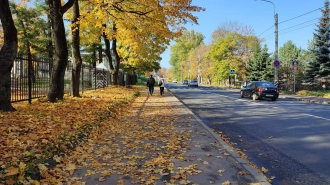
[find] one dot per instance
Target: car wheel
(242, 96)
(274, 99)
(254, 96)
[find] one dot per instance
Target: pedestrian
(161, 84)
(151, 84)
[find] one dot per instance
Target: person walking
(151, 84)
(161, 84)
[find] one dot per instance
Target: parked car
(193, 83)
(175, 81)
(259, 89)
(184, 82)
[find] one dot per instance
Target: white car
(175, 81)
(193, 83)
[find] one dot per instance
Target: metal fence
(26, 86)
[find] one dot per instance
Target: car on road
(193, 83)
(184, 82)
(175, 81)
(259, 89)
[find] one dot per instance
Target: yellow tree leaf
(11, 171)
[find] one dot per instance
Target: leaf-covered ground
(112, 136)
(36, 137)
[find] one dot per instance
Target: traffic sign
(295, 65)
(276, 63)
(232, 71)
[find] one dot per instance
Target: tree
(7, 55)
(311, 64)
(56, 89)
(287, 53)
(227, 54)
(231, 27)
(135, 31)
(181, 51)
(320, 68)
(32, 29)
(260, 67)
(77, 61)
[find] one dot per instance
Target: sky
(297, 20)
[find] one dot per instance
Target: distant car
(175, 81)
(184, 82)
(259, 89)
(193, 83)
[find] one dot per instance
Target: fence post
(30, 76)
(95, 77)
(82, 78)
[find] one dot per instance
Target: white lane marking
(317, 117)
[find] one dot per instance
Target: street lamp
(276, 45)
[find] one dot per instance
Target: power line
(271, 35)
(266, 30)
(299, 24)
(300, 15)
(291, 31)
(290, 20)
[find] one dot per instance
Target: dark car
(184, 82)
(259, 89)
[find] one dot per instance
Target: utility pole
(276, 50)
(276, 62)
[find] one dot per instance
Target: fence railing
(26, 86)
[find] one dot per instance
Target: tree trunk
(117, 59)
(56, 89)
(113, 71)
(7, 55)
(76, 64)
(100, 54)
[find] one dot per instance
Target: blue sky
(297, 20)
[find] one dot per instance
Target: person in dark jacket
(151, 84)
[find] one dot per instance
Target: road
(291, 139)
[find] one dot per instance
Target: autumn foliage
(43, 131)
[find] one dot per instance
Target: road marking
(316, 117)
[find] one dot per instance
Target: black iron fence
(30, 78)
(26, 86)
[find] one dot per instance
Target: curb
(262, 180)
(307, 100)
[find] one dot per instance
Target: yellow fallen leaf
(208, 155)
(11, 171)
(264, 170)
(226, 183)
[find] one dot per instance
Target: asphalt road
(291, 139)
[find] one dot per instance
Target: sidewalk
(160, 141)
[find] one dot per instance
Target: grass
(320, 93)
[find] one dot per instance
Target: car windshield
(265, 84)
(194, 81)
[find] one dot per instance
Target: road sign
(276, 63)
(294, 65)
(232, 72)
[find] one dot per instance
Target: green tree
(31, 29)
(181, 52)
(320, 68)
(287, 53)
(309, 58)
(260, 67)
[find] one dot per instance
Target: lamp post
(276, 45)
